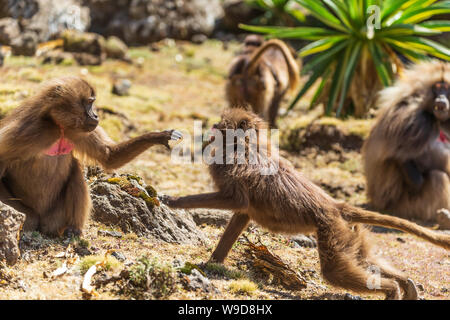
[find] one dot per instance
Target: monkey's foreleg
(215, 200)
(124, 152)
(234, 228)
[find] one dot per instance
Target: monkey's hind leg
(71, 208)
(234, 228)
(273, 109)
(381, 267)
(339, 252)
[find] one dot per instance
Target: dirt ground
(171, 88)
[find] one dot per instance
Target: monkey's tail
(368, 217)
(293, 68)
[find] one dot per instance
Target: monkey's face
(72, 105)
(236, 119)
(441, 95)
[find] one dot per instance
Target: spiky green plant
(359, 40)
(277, 12)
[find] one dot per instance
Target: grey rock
(121, 87)
(47, 18)
(81, 251)
(304, 241)
(348, 296)
(25, 45)
(57, 57)
(197, 281)
(116, 49)
(116, 208)
(109, 233)
(139, 22)
(9, 30)
(119, 256)
(443, 219)
(199, 38)
(11, 222)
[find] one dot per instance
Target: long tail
(368, 217)
(293, 68)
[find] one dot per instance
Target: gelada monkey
(286, 202)
(41, 144)
(261, 76)
(406, 165)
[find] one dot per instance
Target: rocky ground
(173, 85)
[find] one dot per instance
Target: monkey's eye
(91, 99)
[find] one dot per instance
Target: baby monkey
(286, 202)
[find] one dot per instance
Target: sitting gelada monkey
(41, 145)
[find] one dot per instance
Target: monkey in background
(261, 76)
(405, 163)
(286, 202)
(41, 145)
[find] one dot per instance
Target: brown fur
(406, 132)
(261, 76)
(287, 202)
(51, 190)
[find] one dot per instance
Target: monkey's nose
(441, 104)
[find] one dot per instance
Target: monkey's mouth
(89, 127)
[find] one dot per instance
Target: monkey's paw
(169, 135)
(165, 199)
(176, 135)
(71, 232)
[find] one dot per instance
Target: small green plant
(221, 270)
(83, 243)
(356, 50)
(153, 277)
(243, 287)
(88, 261)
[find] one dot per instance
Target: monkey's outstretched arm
(215, 200)
(101, 148)
(412, 175)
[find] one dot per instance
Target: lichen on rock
(126, 202)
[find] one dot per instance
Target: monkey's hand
(168, 135)
(167, 200)
(412, 175)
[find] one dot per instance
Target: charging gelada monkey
(286, 202)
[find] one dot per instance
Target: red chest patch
(442, 137)
(60, 147)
